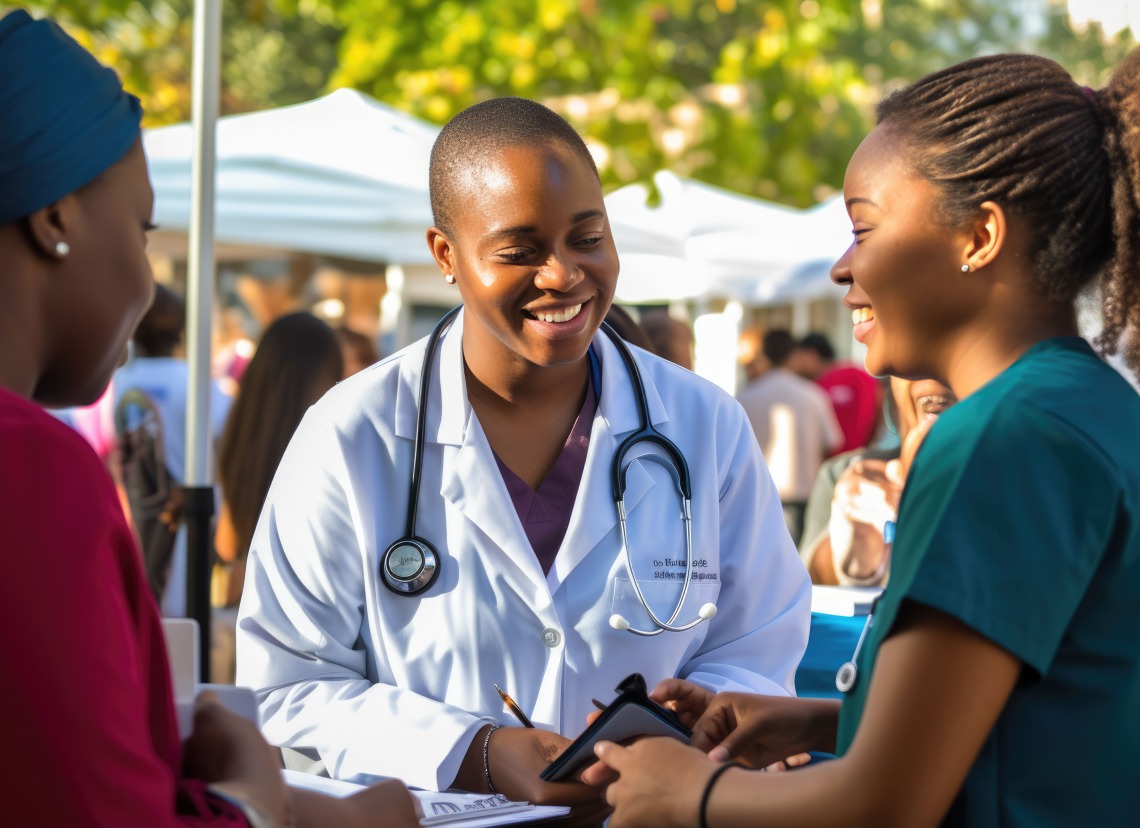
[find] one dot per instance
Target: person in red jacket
(855, 394)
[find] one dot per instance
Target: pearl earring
(449, 278)
(62, 248)
(966, 268)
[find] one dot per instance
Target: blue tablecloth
(830, 643)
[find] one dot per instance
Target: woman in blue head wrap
(86, 704)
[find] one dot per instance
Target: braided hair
(1018, 131)
(471, 136)
(1120, 107)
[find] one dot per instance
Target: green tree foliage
(268, 58)
(767, 97)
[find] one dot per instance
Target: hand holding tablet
(630, 715)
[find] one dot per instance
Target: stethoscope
(848, 673)
(411, 564)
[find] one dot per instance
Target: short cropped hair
(778, 346)
(820, 344)
(160, 330)
(471, 136)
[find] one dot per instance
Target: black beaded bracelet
(708, 789)
(486, 764)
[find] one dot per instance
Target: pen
(513, 707)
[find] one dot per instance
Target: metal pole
(204, 88)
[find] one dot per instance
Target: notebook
(466, 810)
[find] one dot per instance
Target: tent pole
(199, 503)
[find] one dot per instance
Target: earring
(449, 278)
(966, 268)
(62, 248)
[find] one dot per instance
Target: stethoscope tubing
(848, 672)
(686, 519)
(421, 419)
(677, 468)
(410, 547)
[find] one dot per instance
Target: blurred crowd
(257, 399)
(833, 437)
(836, 441)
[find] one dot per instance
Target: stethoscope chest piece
(845, 678)
(409, 566)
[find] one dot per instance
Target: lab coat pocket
(662, 597)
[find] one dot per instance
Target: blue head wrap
(64, 117)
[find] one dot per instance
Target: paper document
(448, 808)
(463, 809)
(843, 600)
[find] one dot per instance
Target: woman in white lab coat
(375, 683)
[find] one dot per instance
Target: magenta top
(545, 513)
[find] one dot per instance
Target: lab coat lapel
(471, 479)
(595, 513)
(474, 486)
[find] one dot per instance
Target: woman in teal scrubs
(1000, 681)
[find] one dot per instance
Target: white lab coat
(379, 684)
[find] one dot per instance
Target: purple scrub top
(545, 513)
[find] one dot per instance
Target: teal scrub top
(1021, 518)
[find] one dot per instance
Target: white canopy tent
(781, 261)
(752, 253)
(732, 246)
(651, 278)
(347, 176)
(651, 245)
(343, 175)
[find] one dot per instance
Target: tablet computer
(631, 714)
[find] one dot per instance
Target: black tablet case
(631, 714)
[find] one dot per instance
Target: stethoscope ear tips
(619, 622)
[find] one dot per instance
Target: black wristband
(716, 774)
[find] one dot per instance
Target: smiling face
(531, 251)
(910, 301)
